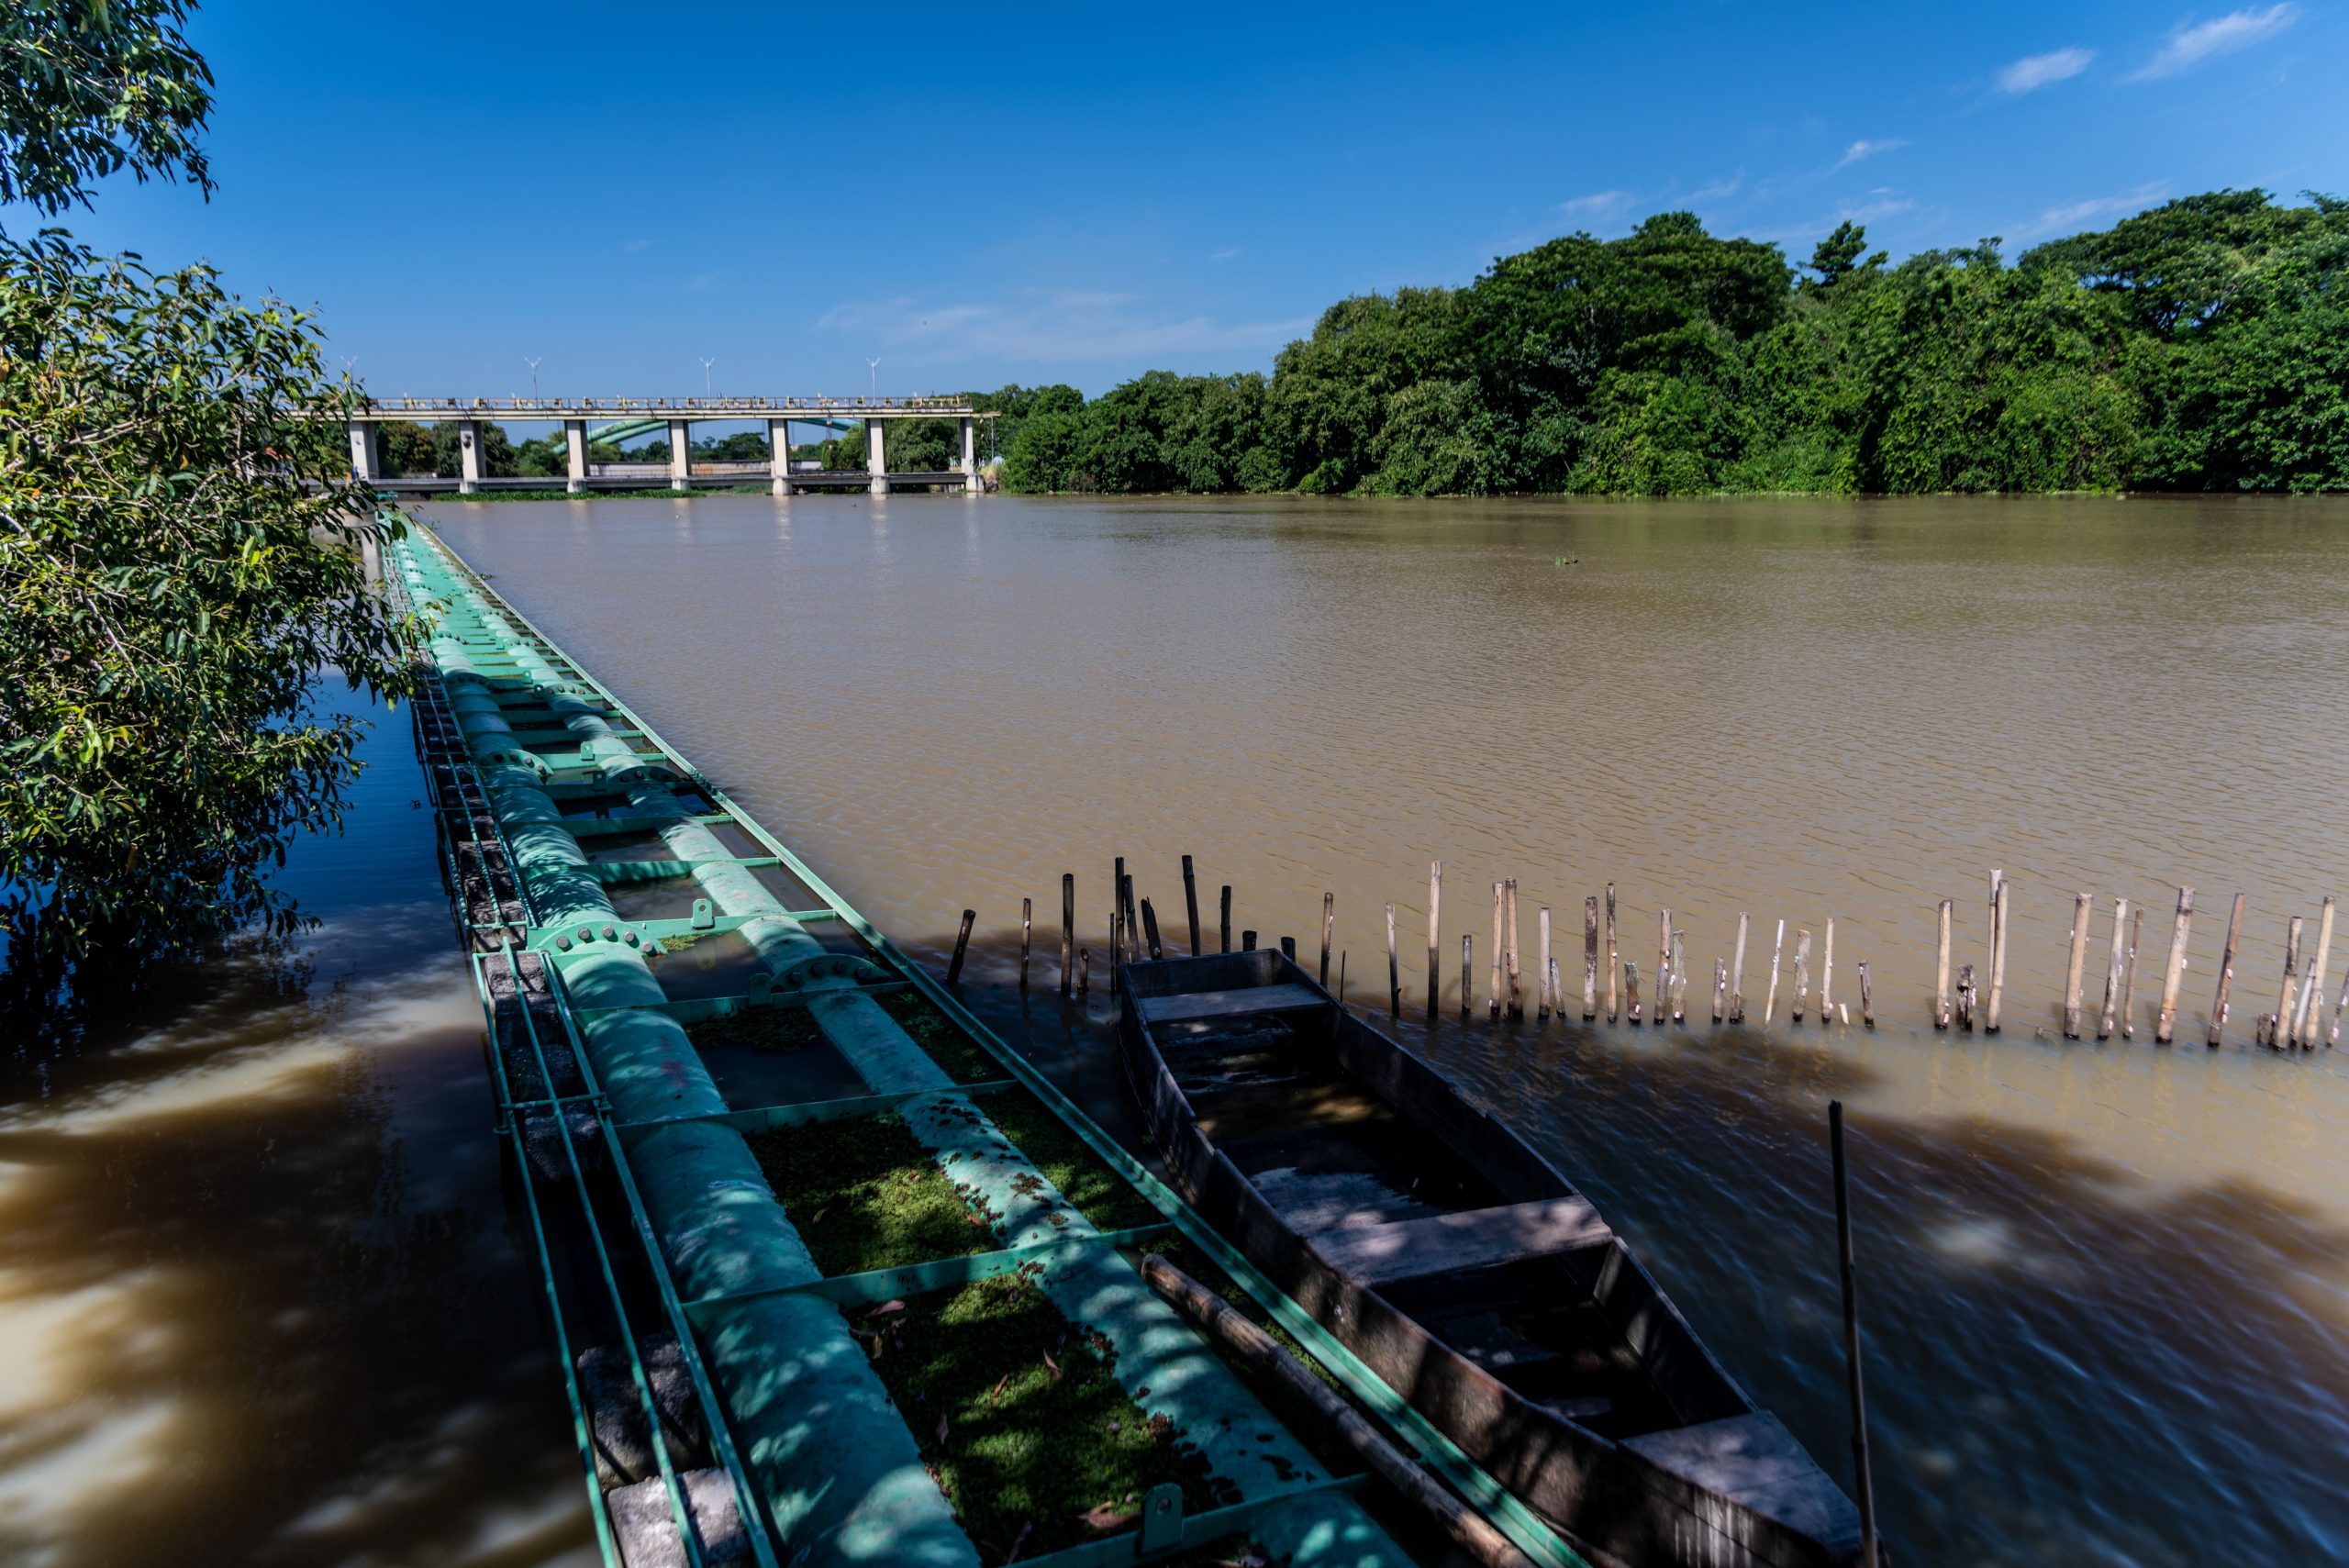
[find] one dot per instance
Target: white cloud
(633, 246)
(2189, 45)
(1859, 149)
(1225, 255)
(1720, 189)
(1053, 325)
(2072, 216)
(1601, 204)
(2036, 70)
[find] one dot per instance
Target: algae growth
(863, 1195)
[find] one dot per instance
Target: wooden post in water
(1867, 998)
(1288, 948)
(2226, 968)
(1549, 966)
(1224, 920)
(1068, 926)
(1493, 1007)
(1027, 920)
(2166, 1023)
(1663, 963)
(1679, 977)
(1827, 975)
(1720, 989)
(2129, 976)
(1133, 923)
(1853, 1382)
(1777, 946)
(1150, 929)
(1328, 925)
(1998, 951)
(1802, 971)
(1394, 974)
(1247, 941)
(2332, 1035)
(1966, 998)
(1590, 958)
(961, 946)
(2313, 991)
(1084, 971)
(1467, 969)
(1341, 978)
(1613, 1011)
(1737, 975)
(1516, 986)
(1631, 990)
(1435, 924)
(1116, 934)
(2077, 965)
(2279, 1021)
(1191, 902)
(2106, 1017)
(1941, 972)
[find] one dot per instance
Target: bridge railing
(557, 407)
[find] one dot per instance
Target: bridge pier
(574, 440)
(875, 461)
(779, 454)
(468, 457)
(681, 455)
(970, 457)
(366, 454)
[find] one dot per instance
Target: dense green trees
(2203, 344)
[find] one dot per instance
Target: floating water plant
(938, 1036)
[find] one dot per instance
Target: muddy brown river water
(2106, 1287)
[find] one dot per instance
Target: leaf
(940, 1434)
(1054, 1364)
(1106, 1517)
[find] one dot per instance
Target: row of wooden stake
(2296, 1021)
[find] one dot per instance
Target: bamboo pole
(2314, 991)
(1966, 998)
(1247, 941)
(1150, 930)
(2109, 1015)
(1467, 969)
(1260, 1353)
(1493, 1006)
(1867, 998)
(1516, 989)
(1613, 1010)
(1590, 958)
(2129, 975)
(1679, 977)
(1191, 902)
(1329, 925)
(1854, 1381)
(2220, 1002)
(1223, 904)
(1737, 975)
(1940, 971)
(1720, 989)
(1288, 948)
(1068, 925)
(1394, 975)
(2077, 965)
(961, 946)
(1027, 921)
(1998, 951)
(1663, 963)
(1435, 924)
(1827, 974)
(1549, 964)
(1777, 947)
(1631, 990)
(1802, 972)
(2279, 1020)
(1084, 971)
(2166, 1024)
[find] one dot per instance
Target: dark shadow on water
(2067, 1363)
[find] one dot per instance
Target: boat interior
(1396, 1183)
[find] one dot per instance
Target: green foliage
(1080, 1176)
(179, 562)
(2203, 344)
(864, 1194)
(90, 87)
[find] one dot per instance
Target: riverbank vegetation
(2201, 345)
(181, 558)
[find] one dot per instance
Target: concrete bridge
(680, 414)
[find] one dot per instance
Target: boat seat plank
(1187, 1006)
(1462, 1240)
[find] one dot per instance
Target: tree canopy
(2199, 345)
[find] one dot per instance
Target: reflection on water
(2105, 1295)
(259, 1302)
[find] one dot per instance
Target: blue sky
(976, 195)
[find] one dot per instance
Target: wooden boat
(1464, 1270)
